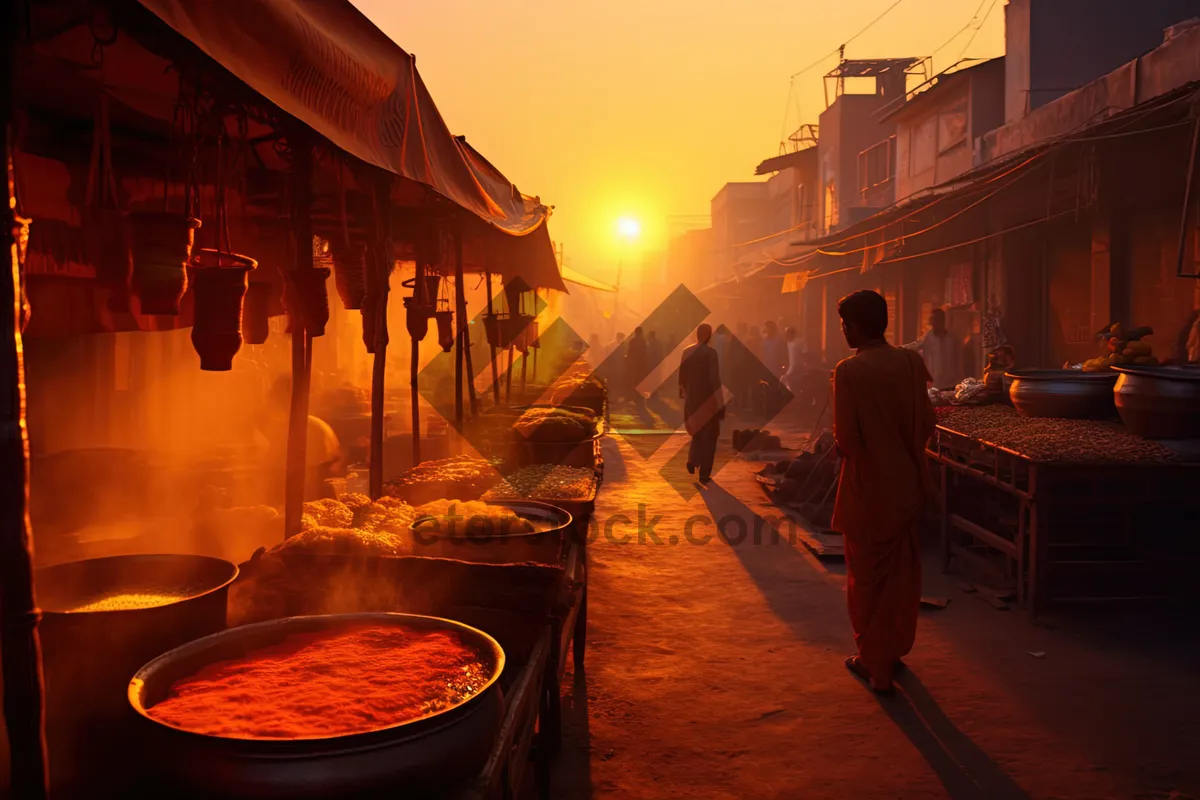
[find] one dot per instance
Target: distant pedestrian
(655, 356)
(703, 402)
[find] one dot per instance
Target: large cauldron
(1160, 402)
(89, 656)
(1065, 393)
(544, 545)
(416, 759)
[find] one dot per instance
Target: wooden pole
(508, 375)
(487, 286)
(461, 323)
(414, 364)
(19, 614)
(297, 446)
(464, 331)
(378, 269)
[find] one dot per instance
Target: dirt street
(714, 670)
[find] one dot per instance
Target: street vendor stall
(1064, 510)
(206, 131)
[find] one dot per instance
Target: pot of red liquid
(344, 706)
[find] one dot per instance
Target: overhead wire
(982, 22)
(842, 46)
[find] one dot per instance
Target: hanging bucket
(256, 311)
(416, 318)
(312, 298)
(162, 247)
(445, 327)
(350, 276)
(107, 246)
(492, 326)
(219, 289)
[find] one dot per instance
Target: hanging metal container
(162, 247)
(310, 293)
(445, 326)
(219, 288)
(416, 318)
(350, 275)
(256, 313)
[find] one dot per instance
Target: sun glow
(629, 228)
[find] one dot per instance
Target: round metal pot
(544, 545)
(162, 247)
(415, 759)
(1159, 402)
(88, 656)
(1063, 393)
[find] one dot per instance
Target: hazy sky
(645, 108)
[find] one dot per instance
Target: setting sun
(629, 228)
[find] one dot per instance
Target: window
(875, 165)
(831, 209)
(952, 126)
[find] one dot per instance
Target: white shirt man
(942, 352)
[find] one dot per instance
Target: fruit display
(456, 478)
(554, 424)
(579, 389)
(327, 513)
(545, 482)
(1125, 347)
(1047, 439)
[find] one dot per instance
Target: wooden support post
(508, 376)
(487, 286)
(460, 323)
(379, 266)
(414, 365)
(19, 615)
(297, 444)
(464, 330)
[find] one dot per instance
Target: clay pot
(256, 319)
(350, 276)
(219, 289)
(311, 295)
(162, 247)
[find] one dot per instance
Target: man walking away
(942, 352)
(882, 420)
(703, 402)
(795, 363)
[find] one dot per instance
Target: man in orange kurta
(882, 421)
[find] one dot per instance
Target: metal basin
(1159, 402)
(544, 545)
(415, 759)
(88, 656)
(1063, 393)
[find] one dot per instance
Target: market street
(716, 671)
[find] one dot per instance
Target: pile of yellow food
(128, 601)
(459, 518)
(353, 526)
(1124, 348)
(579, 388)
(550, 424)
(545, 482)
(457, 477)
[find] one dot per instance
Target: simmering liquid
(322, 684)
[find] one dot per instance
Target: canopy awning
(326, 64)
(579, 279)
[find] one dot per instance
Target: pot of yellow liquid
(103, 618)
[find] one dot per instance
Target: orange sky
(644, 108)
